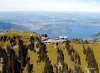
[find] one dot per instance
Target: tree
(48, 67)
(90, 58)
(31, 46)
(23, 49)
(60, 55)
(29, 67)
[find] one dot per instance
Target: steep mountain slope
(38, 67)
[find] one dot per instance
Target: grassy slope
(53, 55)
(96, 49)
(51, 48)
(37, 68)
(79, 48)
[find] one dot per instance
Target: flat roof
(53, 40)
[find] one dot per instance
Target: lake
(71, 24)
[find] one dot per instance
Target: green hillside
(44, 60)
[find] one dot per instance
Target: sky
(50, 5)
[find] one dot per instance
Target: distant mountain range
(93, 37)
(4, 26)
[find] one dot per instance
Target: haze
(50, 5)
